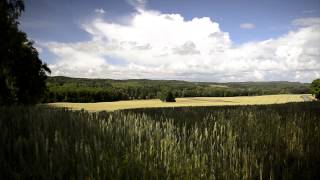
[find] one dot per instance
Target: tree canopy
(22, 73)
(315, 88)
(167, 97)
(66, 89)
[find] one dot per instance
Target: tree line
(91, 90)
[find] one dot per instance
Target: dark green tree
(167, 96)
(315, 88)
(22, 73)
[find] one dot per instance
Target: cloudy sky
(194, 40)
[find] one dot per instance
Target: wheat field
(279, 141)
(190, 101)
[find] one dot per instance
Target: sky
(193, 40)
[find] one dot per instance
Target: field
(196, 101)
(280, 141)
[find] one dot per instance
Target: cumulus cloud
(158, 45)
(99, 11)
(247, 26)
(188, 48)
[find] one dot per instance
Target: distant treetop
(315, 88)
(167, 97)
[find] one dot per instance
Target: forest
(66, 89)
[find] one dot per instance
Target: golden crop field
(190, 101)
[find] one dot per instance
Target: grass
(197, 101)
(278, 141)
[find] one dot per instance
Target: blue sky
(59, 20)
(67, 24)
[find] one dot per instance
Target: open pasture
(196, 101)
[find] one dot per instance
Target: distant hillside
(94, 90)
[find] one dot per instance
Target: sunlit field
(196, 101)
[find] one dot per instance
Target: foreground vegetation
(234, 142)
(196, 101)
(65, 89)
(22, 73)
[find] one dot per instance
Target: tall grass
(244, 142)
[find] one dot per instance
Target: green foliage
(167, 96)
(95, 90)
(315, 88)
(22, 74)
(240, 142)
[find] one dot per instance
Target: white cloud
(166, 46)
(310, 21)
(99, 11)
(138, 4)
(247, 26)
(188, 48)
(38, 48)
(310, 11)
